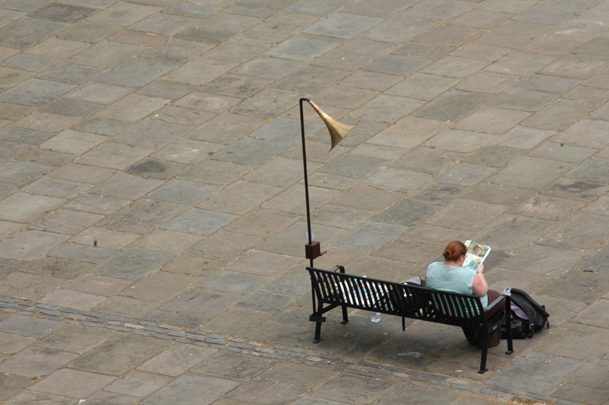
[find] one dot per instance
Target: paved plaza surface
(152, 220)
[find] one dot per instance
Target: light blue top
(459, 280)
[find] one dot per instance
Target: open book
(476, 253)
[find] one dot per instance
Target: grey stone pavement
(152, 221)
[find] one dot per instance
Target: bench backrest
(409, 301)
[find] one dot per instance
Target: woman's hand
(480, 268)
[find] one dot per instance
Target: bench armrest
(495, 303)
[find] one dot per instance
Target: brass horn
(338, 130)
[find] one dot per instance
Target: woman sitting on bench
(452, 276)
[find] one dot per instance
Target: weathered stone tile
(198, 221)
(262, 222)
(269, 103)
(520, 63)
(115, 155)
(200, 71)
(523, 137)
(512, 233)
(576, 66)
(32, 63)
(74, 142)
(131, 264)
(26, 32)
(291, 201)
(126, 187)
(123, 14)
(126, 307)
(133, 108)
(30, 245)
(29, 326)
(66, 221)
(492, 120)
(81, 253)
(200, 302)
(34, 362)
(460, 214)
(292, 240)
(120, 354)
(566, 153)
(138, 383)
(40, 121)
(386, 108)
(493, 156)
(25, 135)
(49, 266)
(545, 171)
(97, 204)
(544, 207)
(303, 48)
(96, 285)
(101, 126)
(334, 389)
(559, 115)
(136, 72)
(354, 166)
(73, 383)
(586, 133)
(23, 207)
(486, 82)
(184, 192)
(137, 38)
(459, 141)
(216, 172)
(72, 299)
(175, 51)
(353, 55)
(452, 106)
(191, 390)
(177, 359)
(106, 54)
(35, 92)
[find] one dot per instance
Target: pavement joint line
(276, 352)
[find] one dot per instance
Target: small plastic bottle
(375, 317)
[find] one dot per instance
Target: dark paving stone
(101, 126)
(370, 236)
(437, 193)
(26, 32)
(250, 152)
(25, 135)
(50, 266)
(35, 92)
(152, 133)
(208, 35)
(406, 213)
(131, 264)
(266, 301)
(70, 73)
(72, 108)
(452, 106)
(493, 155)
(63, 13)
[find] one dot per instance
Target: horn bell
(338, 130)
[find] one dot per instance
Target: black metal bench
(334, 288)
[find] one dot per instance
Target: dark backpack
(536, 314)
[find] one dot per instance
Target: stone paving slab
(151, 195)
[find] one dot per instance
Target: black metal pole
(306, 181)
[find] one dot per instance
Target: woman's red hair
(454, 250)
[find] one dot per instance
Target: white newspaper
(476, 253)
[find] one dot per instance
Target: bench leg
(317, 332)
(483, 368)
(345, 316)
